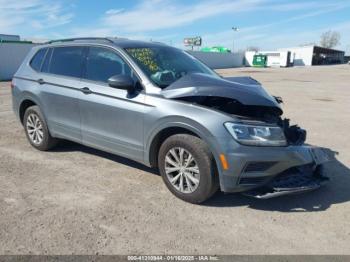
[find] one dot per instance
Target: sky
(267, 24)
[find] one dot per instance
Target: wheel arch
(24, 105)
(160, 137)
(163, 132)
(26, 100)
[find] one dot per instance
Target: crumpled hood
(246, 90)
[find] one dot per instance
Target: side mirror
(122, 82)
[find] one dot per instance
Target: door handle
(41, 81)
(86, 90)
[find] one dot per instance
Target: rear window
(38, 58)
(67, 61)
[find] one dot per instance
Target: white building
(299, 56)
(314, 55)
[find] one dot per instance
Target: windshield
(164, 65)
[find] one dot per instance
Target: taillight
(12, 84)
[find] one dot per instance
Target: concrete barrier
(219, 60)
(11, 57)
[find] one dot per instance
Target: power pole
(235, 29)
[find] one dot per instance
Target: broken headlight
(256, 135)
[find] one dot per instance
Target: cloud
(150, 16)
(306, 36)
(114, 11)
(281, 39)
(32, 15)
(164, 20)
(155, 15)
(272, 35)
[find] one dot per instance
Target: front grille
(258, 166)
(252, 180)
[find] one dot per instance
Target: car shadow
(334, 192)
(68, 146)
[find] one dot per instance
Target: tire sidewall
(204, 162)
(46, 136)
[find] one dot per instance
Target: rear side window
(67, 61)
(103, 63)
(38, 58)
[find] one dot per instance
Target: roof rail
(80, 38)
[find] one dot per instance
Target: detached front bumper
(292, 181)
(269, 168)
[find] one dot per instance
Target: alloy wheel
(182, 170)
(35, 129)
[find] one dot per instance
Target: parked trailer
(279, 59)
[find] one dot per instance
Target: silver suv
(160, 106)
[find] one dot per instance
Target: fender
(182, 122)
(30, 96)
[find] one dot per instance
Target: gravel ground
(77, 200)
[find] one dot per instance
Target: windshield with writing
(164, 65)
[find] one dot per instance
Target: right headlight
(256, 135)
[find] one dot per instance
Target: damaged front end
(242, 97)
(247, 102)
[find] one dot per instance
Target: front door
(111, 119)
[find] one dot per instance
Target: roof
(313, 47)
(15, 41)
(325, 49)
(120, 42)
(9, 37)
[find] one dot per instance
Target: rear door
(60, 86)
(111, 119)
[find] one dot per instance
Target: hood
(245, 90)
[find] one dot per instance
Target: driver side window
(103, 63)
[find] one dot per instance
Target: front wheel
(187, 168)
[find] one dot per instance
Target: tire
(34, 120)
(202, 168)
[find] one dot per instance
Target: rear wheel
(187, 168)
(36, 129)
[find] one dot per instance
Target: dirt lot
(83, 201)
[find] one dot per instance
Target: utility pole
(235, 29)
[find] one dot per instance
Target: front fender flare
(181, 122)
